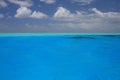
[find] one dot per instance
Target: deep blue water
(60, 57)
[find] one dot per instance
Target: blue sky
(60, 16)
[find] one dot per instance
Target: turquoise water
(65, 57)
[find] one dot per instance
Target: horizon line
(53, 34)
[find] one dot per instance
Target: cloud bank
(95, 21)
(63, 19)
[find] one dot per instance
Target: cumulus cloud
(62, 13)
(48, 1)
(38, 15)
(23, 3)
(83, 2)
(1, 15)
(99, 13)
(3, 3)
(24, 12)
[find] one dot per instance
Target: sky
(59, 16)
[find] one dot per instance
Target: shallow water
(79, 57)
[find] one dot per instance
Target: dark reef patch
(82, 37)
(117, 36)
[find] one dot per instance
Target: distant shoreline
(54, 34)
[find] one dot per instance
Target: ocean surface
(63, 57)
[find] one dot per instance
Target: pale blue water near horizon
(78, 57)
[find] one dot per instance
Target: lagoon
(60, 57)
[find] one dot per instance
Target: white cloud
(106, 14)
(83, 2)
(62, 13)
(3, 3)
(1, 15)
(95, 21)
(23, 12)
(48, 1)
(38, 15)
(99, 13)
(66, 14)
(23, 3)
